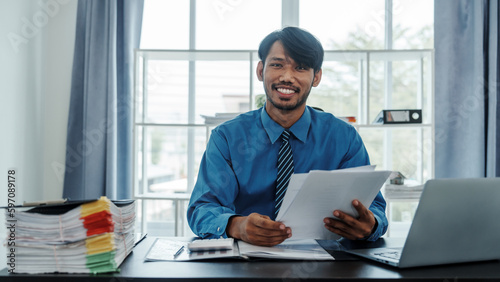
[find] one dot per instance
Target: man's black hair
(300, 45)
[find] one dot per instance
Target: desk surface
(346, 268)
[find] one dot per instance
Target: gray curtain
(99, 142)
(467, 88)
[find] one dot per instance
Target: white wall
(36, 47)
(36, 55)
(59, 41)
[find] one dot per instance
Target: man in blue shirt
(234, 195)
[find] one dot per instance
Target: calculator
(211, 244)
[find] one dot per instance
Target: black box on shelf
(398, 117)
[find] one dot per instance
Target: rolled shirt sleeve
(212, 203)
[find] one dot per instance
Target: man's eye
(275, 65)
(302, 68)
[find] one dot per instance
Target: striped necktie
(285, 170)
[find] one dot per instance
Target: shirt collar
(299, 129)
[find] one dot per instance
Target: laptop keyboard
(392, 255)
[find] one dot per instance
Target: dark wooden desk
(347, 268)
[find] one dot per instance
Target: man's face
(286, 83)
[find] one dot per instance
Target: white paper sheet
(317, 194)
(290, 249)
(297, 180)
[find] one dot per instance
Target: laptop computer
(457, 220)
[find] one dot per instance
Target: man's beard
(299, 103)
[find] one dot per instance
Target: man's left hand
(350, 227)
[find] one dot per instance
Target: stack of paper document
(91, 237)
(404, 191)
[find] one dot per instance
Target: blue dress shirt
(237, 174)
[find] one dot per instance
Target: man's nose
(287, 76)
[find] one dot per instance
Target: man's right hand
(257, 229)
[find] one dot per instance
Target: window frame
(290, 16)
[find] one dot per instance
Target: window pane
(413, 24)
(338, 91)
(408, 84)
(404, 87)
(343, 25)
(409, 151)
(167, 91)
(165, 24)
(373, 140)
(402, 212)
(235, 24)
(221, 87)
(168, 158)
(377, 89)
(259, 96)
(159, 217)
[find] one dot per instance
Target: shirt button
(218, 228)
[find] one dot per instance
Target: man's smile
(286, 91)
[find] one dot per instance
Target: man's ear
(317, 77)
(260, 71)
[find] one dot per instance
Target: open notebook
(166, 249)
